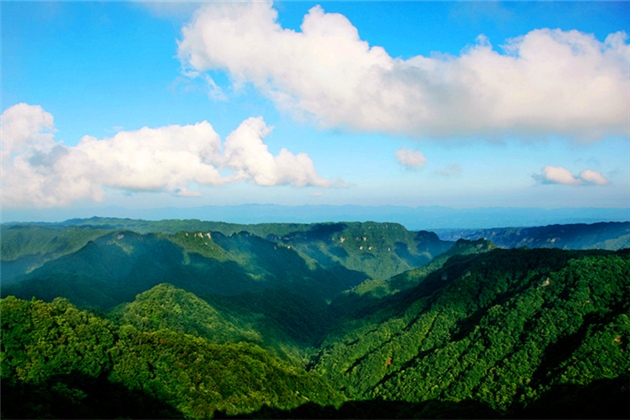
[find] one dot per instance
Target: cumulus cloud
(593, 177)
(544, 82)
(560, 175)
(410, 159)
(39, 171)
(25, 126)
(249, 156)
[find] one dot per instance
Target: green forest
(116, 318)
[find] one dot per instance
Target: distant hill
(413, 218)
(610, 236)
(376, 250)
(115, 267)
(24, 247)
(380, 250)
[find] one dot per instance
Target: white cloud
(38, 171)
(184, 192)
(25, 126)
(410, 159)
(593, 177)
(249, 156)
(545, 82)
(557, 175)
(560, 175)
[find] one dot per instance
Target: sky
(458, 104)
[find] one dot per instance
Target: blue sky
(461, 104)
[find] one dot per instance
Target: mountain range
(109, 318)
(413, 218)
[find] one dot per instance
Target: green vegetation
(28, 246)
(167, 307)
(369, 295)
(276, 319)
(195, 324)
(502, 328)
(114, 268)
(61, 354)
(356, 251)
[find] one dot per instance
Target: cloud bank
(546, 82)
(39, 171)
(559, 175)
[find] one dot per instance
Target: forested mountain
(371, 294)
(115, 267)
(502, 328)
(276, 319)
(291, 321)
(60, 362)
(25, 247)
(376, 250)
(611, 236)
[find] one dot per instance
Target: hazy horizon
(413, 218)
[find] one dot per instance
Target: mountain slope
(167, 307)
(377, 250)
(275, 318)
(25, 247)
(114, 268)
(501, 328)
(60, 362)
(380, 250)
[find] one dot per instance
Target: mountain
(60, 362)
(380, 250)
(167, 307)
(291, 321)
(103, 255)
(24, 247)
(503, 328)
(115, 267)
(611, 236)
(521, 333)
(275, 319)
(372, 295)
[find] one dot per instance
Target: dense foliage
(167, 307)
(502, 328)
(291, 321)
(275, 319)
(63, 355)
(370, 295)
